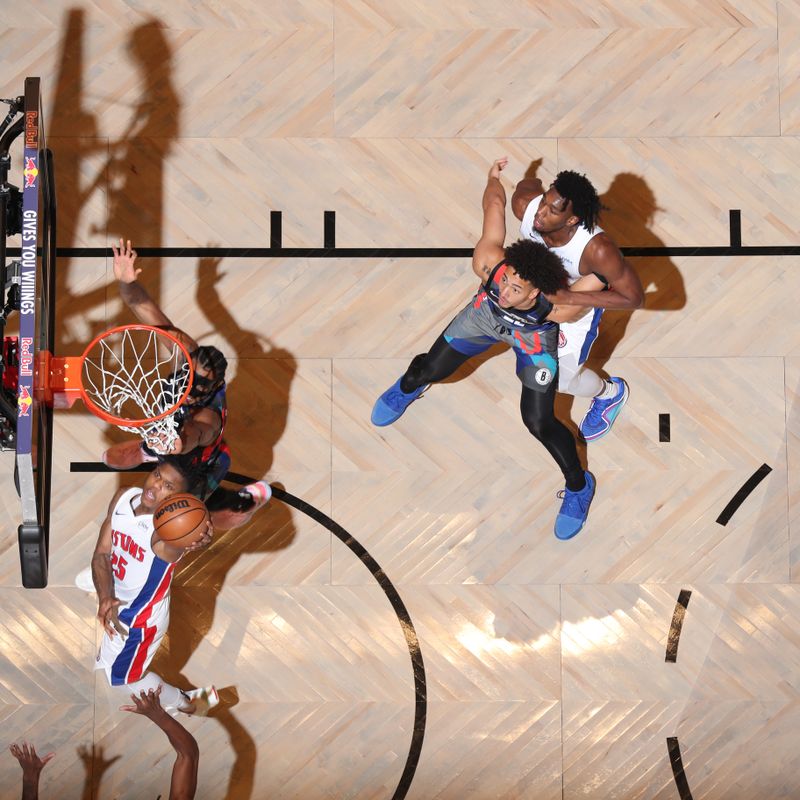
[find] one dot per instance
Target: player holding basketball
(510, 307)
(564, 218)
(132, 571)
(201, 418)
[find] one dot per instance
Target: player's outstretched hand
(498, 166)
(147, 704)
(30, 762)
(107, 614)
(176, 447)
(124, 262)
(204, 541)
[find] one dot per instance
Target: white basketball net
(135, 374)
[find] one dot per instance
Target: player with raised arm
(201, 418)
(183, 785)
(565, 219)
(510, 307)
(32, 766)
(132, 571)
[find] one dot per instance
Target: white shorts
(127, 658)
(575, 340)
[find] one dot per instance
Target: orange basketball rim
(134, 376)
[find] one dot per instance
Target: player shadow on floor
(200, 579)
(130, 181)
(116, 184)
(96, 765)
(630, 210)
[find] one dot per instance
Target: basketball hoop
(135, 377)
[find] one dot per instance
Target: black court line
(275, 230)
(735, 222)
(403, 617)
(674, 635)
(675, 760)
(663, 428)
(329, 235)
(330, 250)
(396, 252)
(747, 487)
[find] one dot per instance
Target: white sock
(609, 391)
(170, 696)
(583, 383)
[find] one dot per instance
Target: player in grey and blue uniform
(509, 307)
(486, 321)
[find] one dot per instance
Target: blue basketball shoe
(574, 509)
(602, 413)
(390, 406)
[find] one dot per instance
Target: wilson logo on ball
(168, 509)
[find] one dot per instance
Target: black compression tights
(442, 361)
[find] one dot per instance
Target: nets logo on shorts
(543, 376)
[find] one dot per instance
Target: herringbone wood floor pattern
(186, 125)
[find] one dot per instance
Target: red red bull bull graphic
(24, 403)
(31, 172)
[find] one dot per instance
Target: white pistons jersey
(140, 576)
(141, 581)
(575, 339)
(570, 253)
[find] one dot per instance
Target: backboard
(34, 274)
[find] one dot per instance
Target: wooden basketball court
(400, 622)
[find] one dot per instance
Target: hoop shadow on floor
(124, 193)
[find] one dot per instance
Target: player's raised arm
(136, 297)
(199, 430)
(489, 249)
(184, 771)
(32, 766)
(525, 191)
(133, 294)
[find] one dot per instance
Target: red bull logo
(24, 402)
(25, 355)
(30, 172)
(32, 129)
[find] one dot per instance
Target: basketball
(180, 519)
